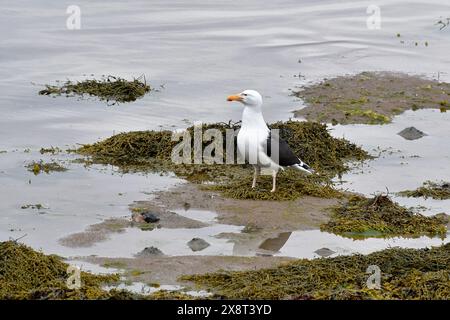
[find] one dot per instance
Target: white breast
(252, 138)
(250, 143)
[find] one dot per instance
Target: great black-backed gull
(255, 140)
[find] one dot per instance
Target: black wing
(286, 157)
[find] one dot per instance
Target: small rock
(186, 206)
(198, 244)
(262, 254)
(411, 133)
(150, 217)
(149, 252)
(324, 252)
(443, 216)
(147, 217)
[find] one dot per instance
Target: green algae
(405, 274)
(371, 116)
(370, 97)
(362, 217)
(439, 191)
(108, 88)
(38, 167)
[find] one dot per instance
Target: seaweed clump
(380, 216)
(109, 88)
(405, 274)
(28, 274)
(290, 186)
(136, 150)
(38, 167)
(51, 150)
(439, 191)
(141, 150)
(150, 151)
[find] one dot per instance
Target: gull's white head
(249, 98)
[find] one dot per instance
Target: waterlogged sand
(371, 97)
(95, 233)
(275, 216)
(270, 233)
(166, 270)
(263, 229)
(102, 231)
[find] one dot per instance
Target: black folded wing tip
(286, 157)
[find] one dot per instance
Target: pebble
(324, 252)
(150, 251)
(198, 244)
(411, 133)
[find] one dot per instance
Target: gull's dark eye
(244, 94)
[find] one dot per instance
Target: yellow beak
(234, 98)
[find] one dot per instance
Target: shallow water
(297, 244)
(402, 164)
(71, 200)
(200, 53)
